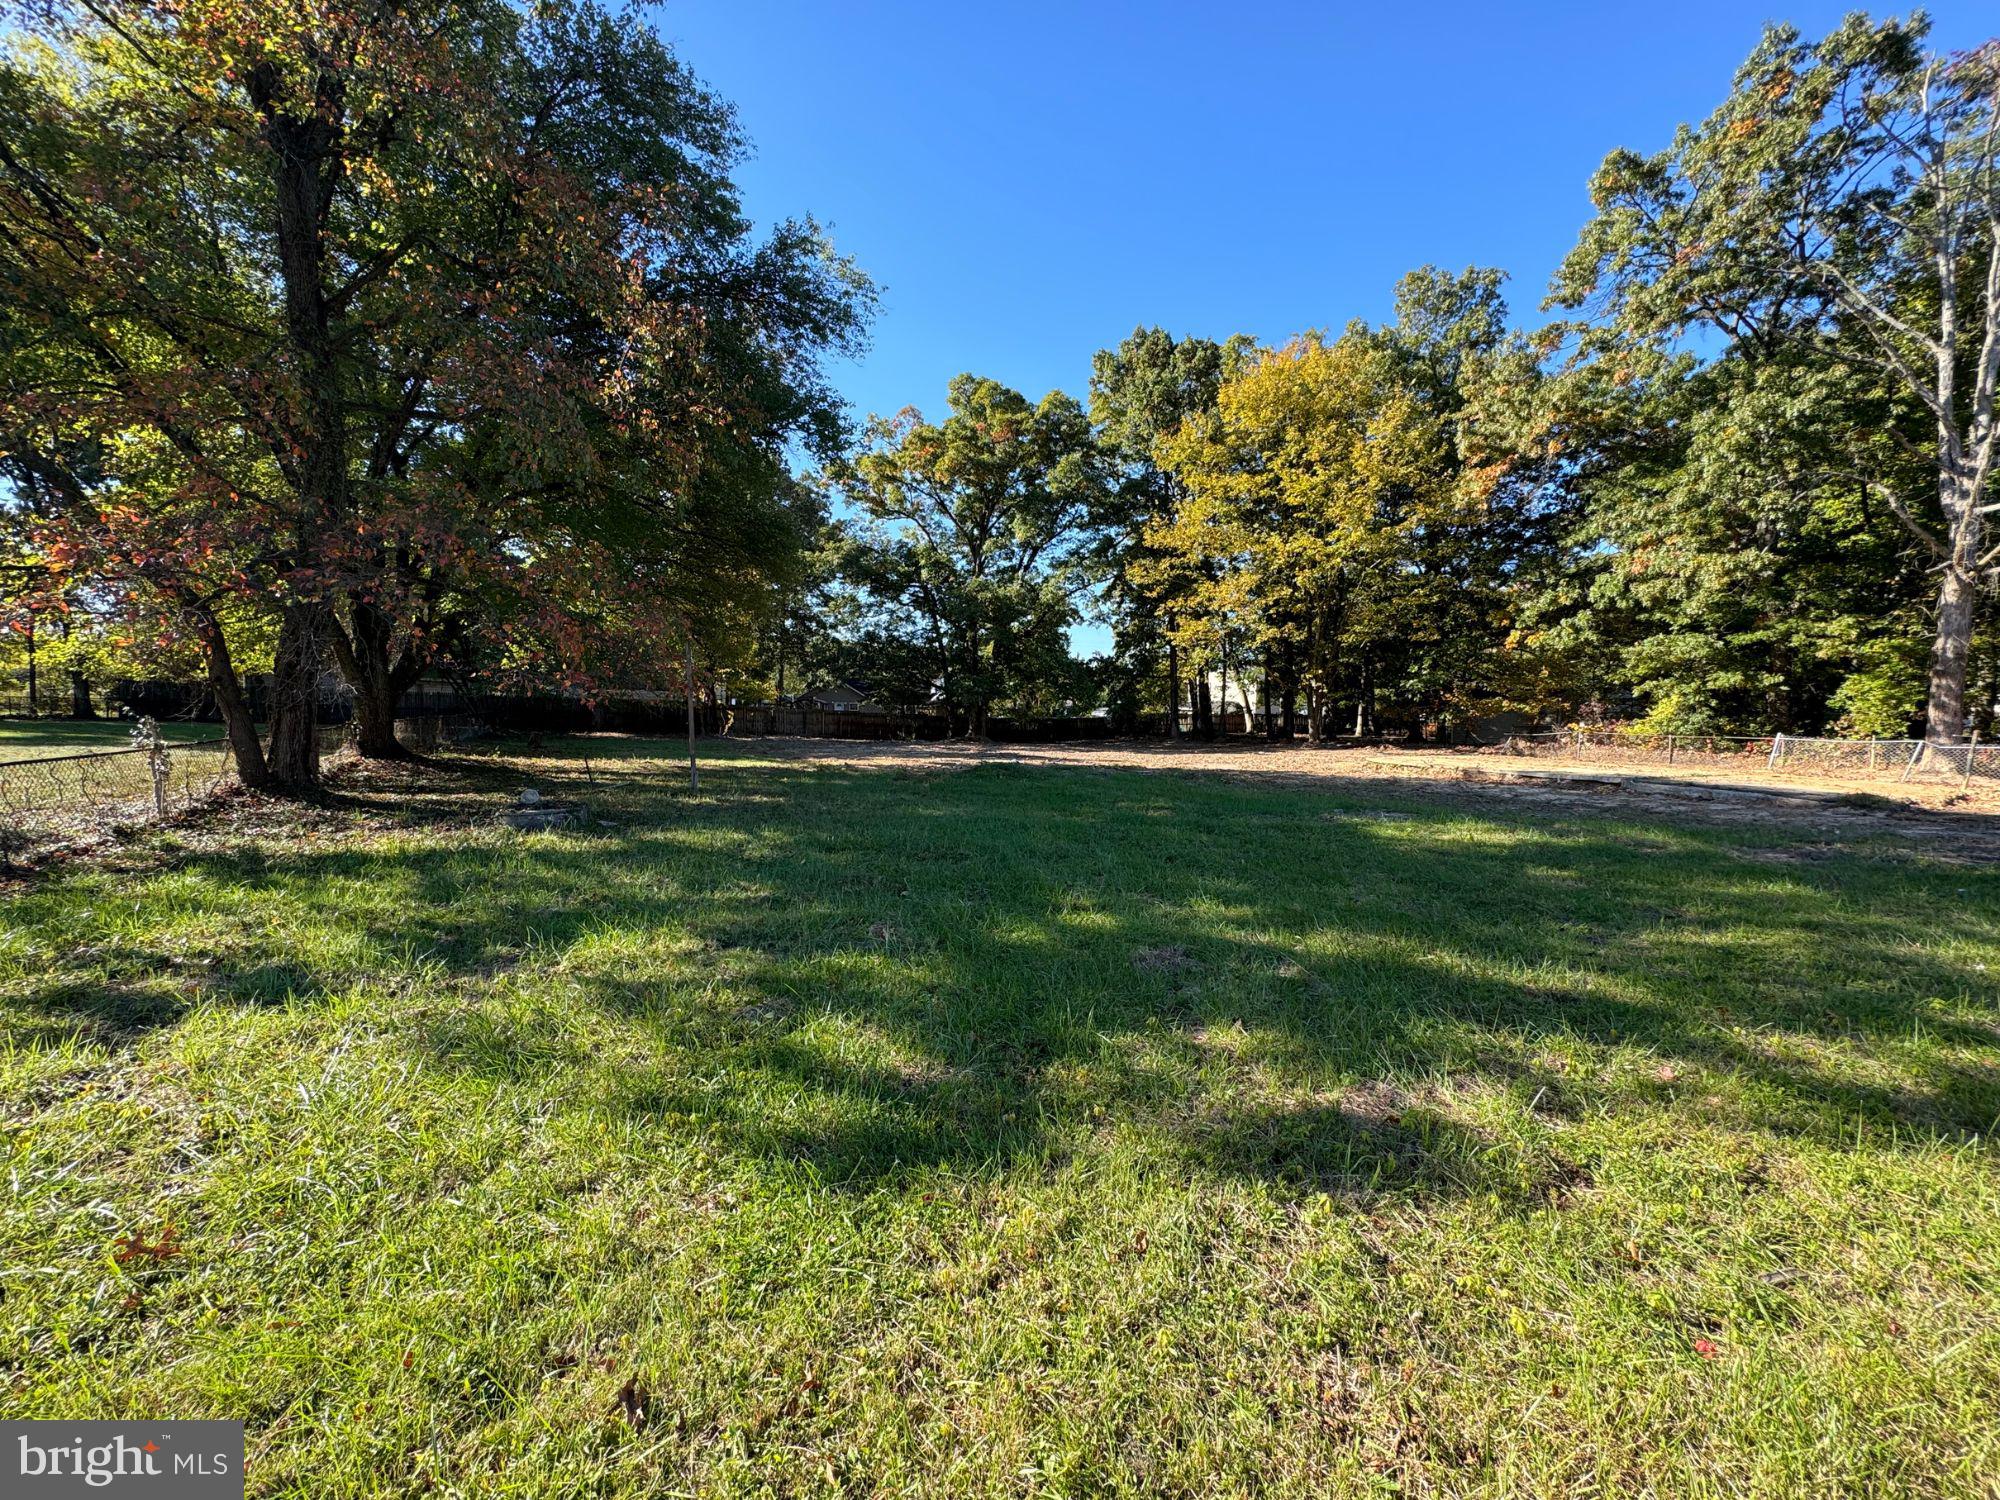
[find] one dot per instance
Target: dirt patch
(1374, 1105)
(1797, 854)
(764, 1011)
(1939, 820)
(1168, 960)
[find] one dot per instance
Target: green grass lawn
(38, 739)
(1014, 1131)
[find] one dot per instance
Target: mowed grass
(40, 739)
(1012, 1131)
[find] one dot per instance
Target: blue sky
(1028, 182)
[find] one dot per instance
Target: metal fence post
(1916, 749)
(1777, 752)
(1971, 753)
(146, 737)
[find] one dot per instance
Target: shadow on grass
(859, 975)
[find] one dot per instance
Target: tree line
(432, 338)
(1739, 481)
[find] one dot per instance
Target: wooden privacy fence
(869, 724)
(632, 712)
(834, 723)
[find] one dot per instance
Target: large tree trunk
(80, 706)
(1204, 709)
(304, 151)
(368, 662)
(1951, 650)
(375, 721)
(1173, 691)
(975, 711)
(237, 721)
(292, 757)
(1270, 719)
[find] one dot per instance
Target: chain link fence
(1907, 760)
(1894, 760)
(67, 798)
(423, 734)
(1621, 747)
(61, 798)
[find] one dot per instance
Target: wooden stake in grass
(694, 770)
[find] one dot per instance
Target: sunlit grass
(1011, 1131)
(34, 739)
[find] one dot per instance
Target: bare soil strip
(1936, 815)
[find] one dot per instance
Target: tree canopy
(971, 533)
(412, 325)
(1839, 212)
(433, 337)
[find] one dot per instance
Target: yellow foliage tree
(1308, 492)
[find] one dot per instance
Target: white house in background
(1241, 701)
(847, 695)
(1240, 697)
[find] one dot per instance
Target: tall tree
(1730, 570)
(1446, 629)
(1369, 514)
(1846, 196)
(1306, 493)
(1141, 392)
(446, 302)
(971, 531)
